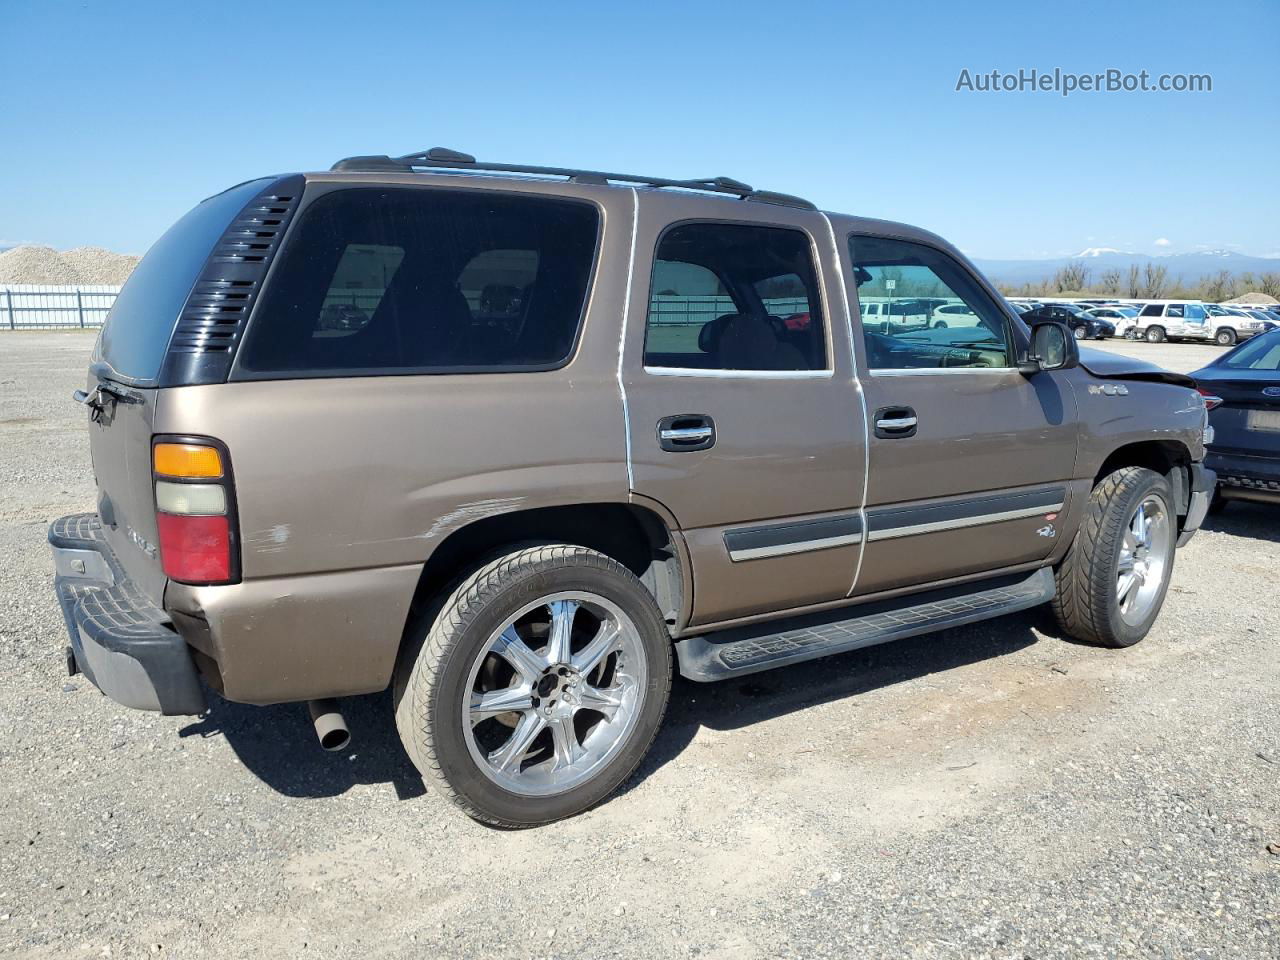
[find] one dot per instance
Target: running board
(744, 650)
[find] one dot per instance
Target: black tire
(432, 676)
(1156, 335)
(1226, 337)
(1131, 333)
(1086, 605)
(1081, 333)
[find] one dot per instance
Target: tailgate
(120, 445)
(1248, 422)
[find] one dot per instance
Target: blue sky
(117, 117)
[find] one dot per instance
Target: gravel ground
(990, 791)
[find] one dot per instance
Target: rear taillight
(194, 515)
(1211, 400)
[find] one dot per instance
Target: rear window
(141, 322)
(376, 280)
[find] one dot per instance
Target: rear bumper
(1203, 481)
(123, 643)
(1247, 478)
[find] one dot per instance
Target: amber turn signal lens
(186, 460)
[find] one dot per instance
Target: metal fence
(30, 306)
(36, 306)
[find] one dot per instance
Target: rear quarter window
(142, 319)
(378, 280)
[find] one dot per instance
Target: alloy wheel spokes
(560, 713)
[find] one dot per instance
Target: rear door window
(734, 297)
(378, 280)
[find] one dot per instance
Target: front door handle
(895, 423)
(686, 431)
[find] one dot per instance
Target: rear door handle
(895, 423)
(686, 431)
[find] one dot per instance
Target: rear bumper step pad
(735, 653)
(123, 643)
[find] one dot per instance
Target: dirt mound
(83, 265)
(1257, 299)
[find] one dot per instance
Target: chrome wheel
(1144, 560)
(554, 694)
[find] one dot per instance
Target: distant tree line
(1149, 280)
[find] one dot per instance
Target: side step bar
(744, 650)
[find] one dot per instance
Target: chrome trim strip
(892, 533)
(742, 374)
(803, 546)
(944, 371)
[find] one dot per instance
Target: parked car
(1162, 320)
(1230, 325)
(1082, 324)
(1242, 391)
(1122, 318)
(517, 516)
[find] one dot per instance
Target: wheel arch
(1169, 458)
(635, 535)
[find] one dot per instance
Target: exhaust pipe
(331, 727)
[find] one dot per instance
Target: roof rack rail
(444, 158)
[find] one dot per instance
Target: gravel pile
(82, 265)
(1255, 299)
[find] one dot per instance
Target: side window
(1151, 310)
(917, 283)
(1195, 312)
(402, 279)
(734, 297)
(1175, 310)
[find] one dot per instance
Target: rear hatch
(173, 324)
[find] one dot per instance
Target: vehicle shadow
(1241, 518)
(277, 744)
(734, 704)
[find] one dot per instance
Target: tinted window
(734, 297)
(911, 278)
(1261, 353)
(1152, 310)
(375, 280)
(138, 328)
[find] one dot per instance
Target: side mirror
(1052, 348)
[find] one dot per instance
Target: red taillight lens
(1211, 400)
(195, 549)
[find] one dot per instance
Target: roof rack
(444, 158)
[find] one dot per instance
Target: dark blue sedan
(1242, 390)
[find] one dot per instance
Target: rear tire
(1111, 585)
(537, 688)
(1155, 335)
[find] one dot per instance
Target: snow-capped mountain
(1191, 266)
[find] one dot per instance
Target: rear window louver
(213, 318)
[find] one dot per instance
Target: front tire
(1081, 333)
(1226, 337)
(1113, 580)
(539, 686)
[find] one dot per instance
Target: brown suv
(507, 439)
